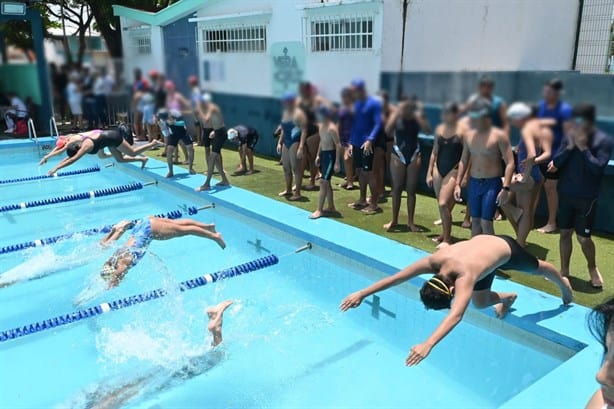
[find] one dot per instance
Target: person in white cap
(534, 148)
(247, 138)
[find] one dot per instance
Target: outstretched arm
(421, 266)
(56, 151)
(463, 290)
(116, 232)
(86, 146)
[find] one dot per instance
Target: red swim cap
(169, 85)
(153, 73)
(61, 142)
(192, 80)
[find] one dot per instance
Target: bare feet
(371, 209)
(203, 188)
(442, 245)
(284, 193)
(192, 171)
(466, 224)
(549, 228)
(596, 278)
(566, 291)
(217, 237)
(437, 222)
(295, 197)
(358, 205)
(143, 162)
(315, 215)
(250, 172)
(413, 228)
(311, 187)
(502, 309)
(222, 183)
(170, 174)
(390, 225)
(438, 239)
(216, 319)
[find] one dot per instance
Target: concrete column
(46, 109)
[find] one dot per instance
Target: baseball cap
(518, 110)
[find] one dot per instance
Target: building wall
(476, 35)
(253, 73)
(132, 59)
(180, 56)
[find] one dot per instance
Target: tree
(18, 33)
(78, 13)
(108, 25)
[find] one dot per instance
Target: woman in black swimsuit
(95, 144)
(441, 174)
(405, 127)
(308, 102)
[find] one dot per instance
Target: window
(140, 40)
(234, 39)
(340, 33)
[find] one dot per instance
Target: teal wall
(22, 79)
(264, 113)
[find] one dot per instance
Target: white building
(240, 44)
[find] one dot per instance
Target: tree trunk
(82, 46)
(112, 37)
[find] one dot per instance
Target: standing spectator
(553, 107)
(74, 97)
(60, 82)
(383, 146)
(138, 77)
(196, 95)
(405, 163)
(289, 141)
(533, 149)
(137, 117)
(103, 86)
(581, 161)
(308, 102)
(140, 104)
(346, 122)
(88, 101)
(17, 112)
(487, 146)
(367, 124)
(498, 111)
(443, 168)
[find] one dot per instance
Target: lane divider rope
(126, 302)
(77, 196)
(55, 175)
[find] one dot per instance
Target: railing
(53, 127)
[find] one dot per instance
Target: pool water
(285, 342)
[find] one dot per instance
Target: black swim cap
(73, 148)
(436, 293)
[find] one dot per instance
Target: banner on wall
(288, 66)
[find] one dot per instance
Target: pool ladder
(32, 135)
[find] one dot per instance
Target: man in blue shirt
(552, 107)
(367, 123)
(581, 162)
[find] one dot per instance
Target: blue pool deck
(569, 385)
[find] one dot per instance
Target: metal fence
(594, 52)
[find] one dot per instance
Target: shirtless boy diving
(464, 272)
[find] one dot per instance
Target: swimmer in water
(105, 398)
(465, 272)
(143, 233)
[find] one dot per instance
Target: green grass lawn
(269, 181)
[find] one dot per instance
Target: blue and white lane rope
(105, 307)
(77, 196)
(175, 214)
(55, 175)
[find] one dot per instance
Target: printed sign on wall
(288, 66)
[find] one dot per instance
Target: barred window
(341, 33)
(235, 39)
(142, 45)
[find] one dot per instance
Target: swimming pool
(285, 343)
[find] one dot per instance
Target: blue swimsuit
(291, 133)
(522, 155)
(142, 235)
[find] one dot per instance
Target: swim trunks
(327, 163)
(219, 139)
(576, 213)
(362, 161)
(483, 197)
(520, 260)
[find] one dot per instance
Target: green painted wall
(22, 79)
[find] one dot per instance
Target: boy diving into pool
(464, 272)
(143, 233)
